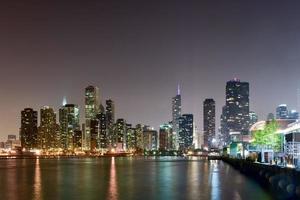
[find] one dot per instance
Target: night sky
(137, 52)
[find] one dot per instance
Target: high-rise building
(150, 139)
(11, 142)
(176, 114)
(165, 137)
(131, 139)
(77, 141)
(282, 112)
(110, 112)
(253, 118)
(139, 137)
(293, 114)
(94, 133)
(223, 127)
(198, 140)
(209, 121)
(69, 123)
(120, 134)
(48, 131)
(92, 106)
(110, 121)
(270, 117)
(29, 130)
(237, 107)
(186, 128)
(103, 139)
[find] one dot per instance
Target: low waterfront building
(291, 144)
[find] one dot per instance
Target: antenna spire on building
(178, 89)
(64, 101)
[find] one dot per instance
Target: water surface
(124, 178)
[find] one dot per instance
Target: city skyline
(137, 60)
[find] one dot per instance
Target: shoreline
(282, 183)
(7, 157)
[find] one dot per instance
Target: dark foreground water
(124, 178)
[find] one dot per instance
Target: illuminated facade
(120, 134)
(176, 114)
(282, 112)
(209, 121)
(48, 131)
(139, 137)
(110, 120)
(92, 106)
(165, 137)
(237, 107)
(77, 140)
(293, 114)
(150, 139)
(94, 133)
(29, 130)
(130, 138)
(102, 137)
(69, 123)
(253, 118)
(186, 129)
(110, 112)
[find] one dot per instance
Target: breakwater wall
(282, 183)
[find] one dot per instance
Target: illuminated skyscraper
(110, 120)
(48, 131)
(237, 107)
(120, 134)
(186, 131)
(139, 137)
(150, 139)
(293, 114)
(69, 123)
(130, 138)
(223, 127)
(29, 130)
(176, 114)
(103, 139)
(165, 137)
(110, 112)
(209, 121)
(282, 112)
(94, 133)
(253, 118)
(92, 106)
(77, 140)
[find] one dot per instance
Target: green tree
(268, 137)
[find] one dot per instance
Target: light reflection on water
(37, 180)
(124, 178)
(215, 190)
(113, 187)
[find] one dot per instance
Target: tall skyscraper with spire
(176, 114)
(92, 105)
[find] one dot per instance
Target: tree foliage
(268, 137)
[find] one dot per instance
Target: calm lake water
(124, 178)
